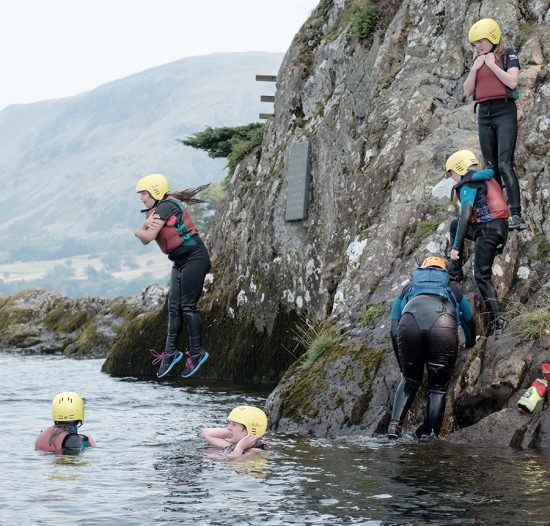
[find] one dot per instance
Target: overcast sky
(56, 48)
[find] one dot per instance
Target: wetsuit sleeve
(467, 198)
(73, 441)
(465, 316)
(395, 316)
(512, 60)
(166, 209)
(483, 175)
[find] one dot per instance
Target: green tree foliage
(233, 143)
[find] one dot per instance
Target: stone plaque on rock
(297, 177)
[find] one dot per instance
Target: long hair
(188, 196)
(498, 49)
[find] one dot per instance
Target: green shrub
(534, 324)
(533, 320)
(318, 338)
(369, 314)
(364, 20)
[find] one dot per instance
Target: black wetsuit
(424, 333)
(498, 129)
(482, 219)
(191, 264)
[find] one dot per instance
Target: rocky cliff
(382, 113)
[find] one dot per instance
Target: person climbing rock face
(169, 223)
(492, 81)
(424, 320)
(483, 220)
(63, 436)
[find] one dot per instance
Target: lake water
(151, 466)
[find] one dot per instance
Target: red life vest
(51, 439)
(492, 206)
(488, 85)
(489, 203)
(169, 239)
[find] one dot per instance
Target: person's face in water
(146, 199)
(483, 46)
(237, 431)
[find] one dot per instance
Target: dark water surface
(151, 467)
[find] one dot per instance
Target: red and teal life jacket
(178, 230)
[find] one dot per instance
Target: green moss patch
(309, 389)
(369, 314)
(541, 247)
(425, 229)
(67, 317)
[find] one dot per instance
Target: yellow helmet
(460, 161)
(68, 407)
(434, 261)
(253, 418)
(156, 184)
(485, 28)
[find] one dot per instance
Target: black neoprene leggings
(431, 341)
(489, 239)
(498, 129)
(186, 282)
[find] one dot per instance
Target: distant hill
(68, 167)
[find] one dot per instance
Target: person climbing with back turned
(424, 320)
(68, 416)
(493, 80)
(169, 223)
(483, 220)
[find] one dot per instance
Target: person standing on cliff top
(169, 223)
(492, 81)
(423, 332)
(483, 220)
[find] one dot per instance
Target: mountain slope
(68, 167)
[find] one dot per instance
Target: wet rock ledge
(38, 321)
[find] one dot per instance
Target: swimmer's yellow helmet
(253, 418)
(68, 407)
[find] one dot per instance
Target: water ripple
(151, 466)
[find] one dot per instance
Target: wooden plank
(297, 185)
(266, 115)
(266, 78)
(267, 98)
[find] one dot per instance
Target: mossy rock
(23, 337)
(90, 343)
(129, 355)
(310, 394)
(11, 315)
(239, 351)
(68, 317)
